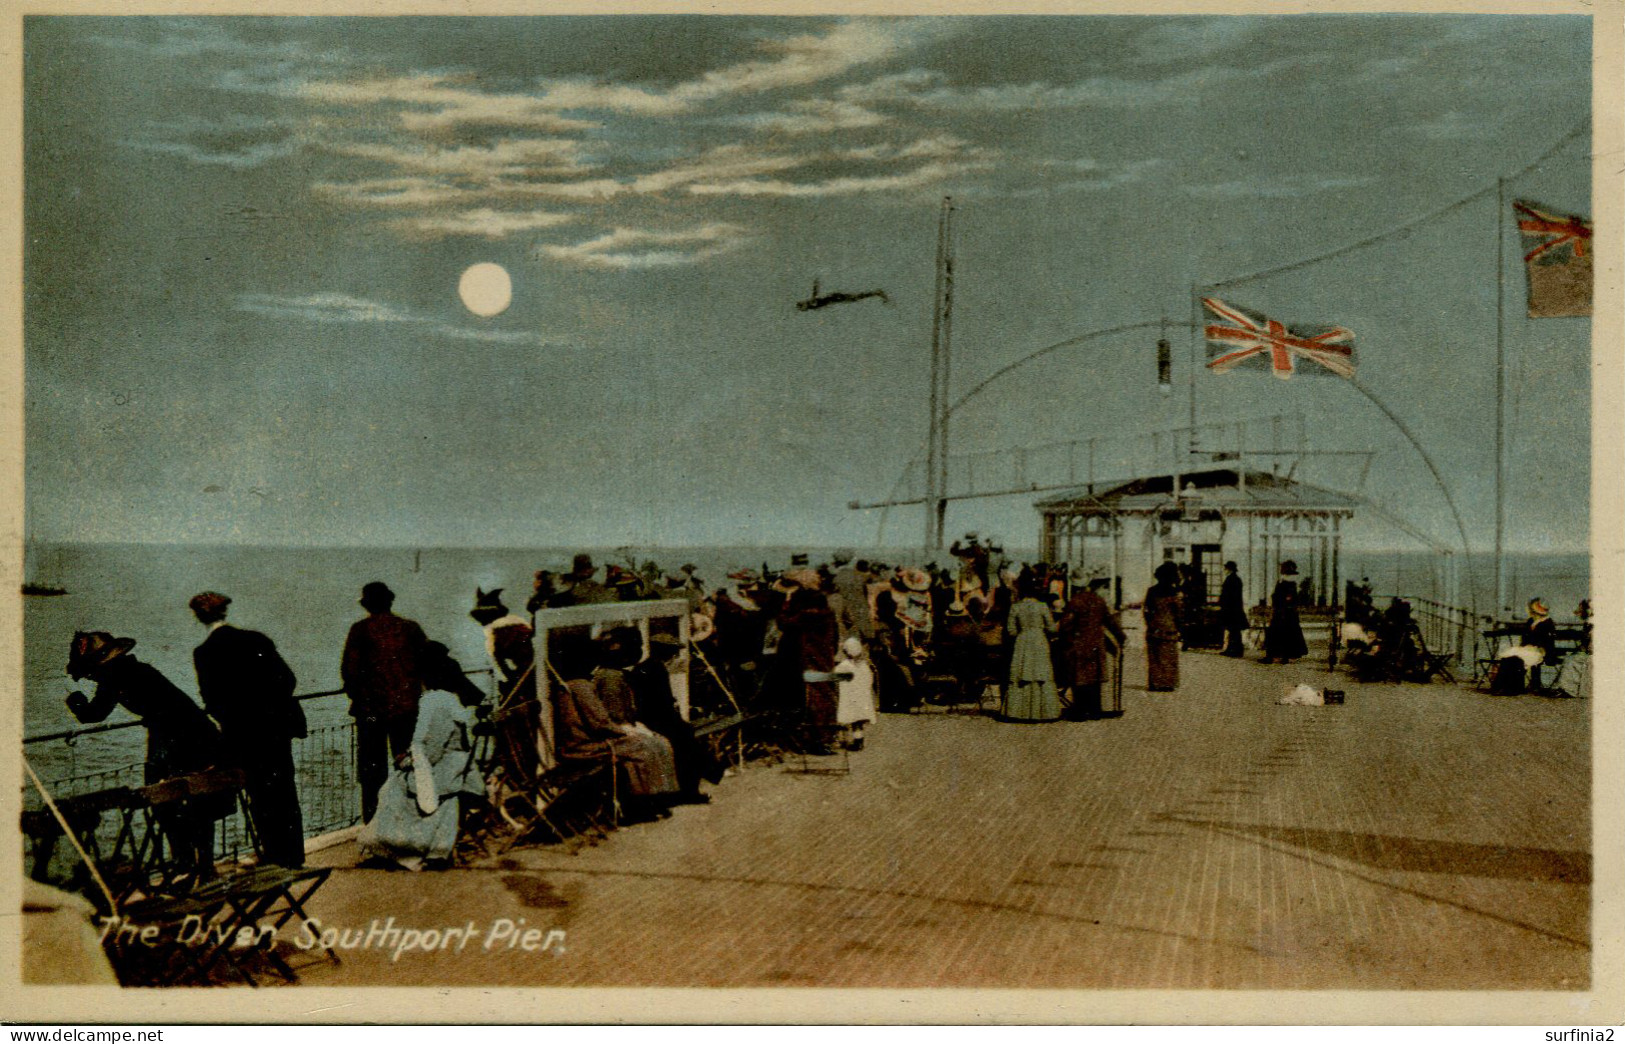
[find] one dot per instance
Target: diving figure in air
(818, 300)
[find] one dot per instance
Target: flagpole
(1196, 337)
(1500, 400)
(1416, 444)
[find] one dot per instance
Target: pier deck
(1419, 837)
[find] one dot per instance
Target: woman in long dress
(1032, 695)
(1162, 610)
(420, 803)
(1283, 639)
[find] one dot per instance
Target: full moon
(486, 289)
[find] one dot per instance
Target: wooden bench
(234, 919)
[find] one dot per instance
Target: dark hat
(208, 604)
(581, 567)
(689, 567)
(798, 559)
(1167, 573)
(92, 649)
(377, 593)
(488, 605)
(1289, 568)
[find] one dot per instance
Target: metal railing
(1450, 630)
(324, 768)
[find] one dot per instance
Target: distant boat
(33, 584)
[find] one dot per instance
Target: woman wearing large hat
(1162, 609)
(1032, 695)
(1540, 632)
(180, 737)
(1283, 639)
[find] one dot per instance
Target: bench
(233, 919)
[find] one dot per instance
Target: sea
(305, 600)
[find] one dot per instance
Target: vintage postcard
(847, 513)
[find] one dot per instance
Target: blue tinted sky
(244, 238)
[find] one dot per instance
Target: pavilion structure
(1257, 519)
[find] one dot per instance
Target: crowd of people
(813, 653)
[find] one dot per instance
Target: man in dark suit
(1232, 610)
(247, 687)
(382, 671)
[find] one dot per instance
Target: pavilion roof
(1218, 489)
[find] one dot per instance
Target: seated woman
(657, 709)
(420, 804)
(584, 731)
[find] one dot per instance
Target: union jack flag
(1240, 334)
(1557, 258)
(1545, 232)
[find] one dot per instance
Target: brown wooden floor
(1420, 837)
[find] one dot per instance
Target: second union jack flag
(1557, 254)
(1235, 335)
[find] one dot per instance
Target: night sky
(244, 240)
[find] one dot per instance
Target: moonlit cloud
(627, 249)
(243, 156)
(850, 185)
(928, 90)
(816, 116)
(508, 158)
(333, 307)
(484, 222)
(795, 61)
(430, 104)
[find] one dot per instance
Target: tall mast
(936, 464)
(1500, 399)
(947, 366)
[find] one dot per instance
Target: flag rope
(1448, 208)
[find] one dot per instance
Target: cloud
(627, 249)
(240, 157)
(848, 185)
(201, 38)
(491, 224)
(432, 104)
(232, 140)
(795, 61)
(333, 307)
(507, 158)
(1187, 39)
(816, 116)
(925, 89)
(1284, 187)
(928, 89)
